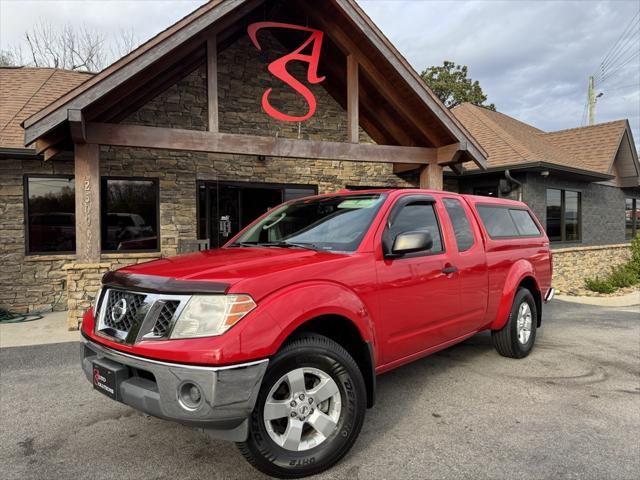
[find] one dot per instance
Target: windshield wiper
(283, 244)
(243, 244)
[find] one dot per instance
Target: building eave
(7, 153)
(579, 174)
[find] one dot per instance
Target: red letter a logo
(278, 68)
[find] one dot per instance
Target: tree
(71, 47)
(451, 85)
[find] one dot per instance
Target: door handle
(449, 269)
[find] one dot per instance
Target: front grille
(130, 317)
(122, 309)
(165, 317)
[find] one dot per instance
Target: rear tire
(314, 387)
(516, 338)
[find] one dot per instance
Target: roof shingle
(511, 142)
(26, 90)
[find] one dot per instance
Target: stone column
(83, 276)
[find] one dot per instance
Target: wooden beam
(404, 167)
(212, 82)
(199, 141)
(222, 14)
(450, 154)
(410, 76)
(344, 41)
(52, 152)
(431, 177)
(87, 175)
(50, 140)
(77, 126)
(353, 124)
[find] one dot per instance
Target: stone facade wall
(243, 78)
(84, 279)
(35, 282)
(571, 266)
(183, 105)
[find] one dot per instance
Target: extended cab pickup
(275, 340)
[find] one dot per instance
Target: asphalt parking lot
(570, 410)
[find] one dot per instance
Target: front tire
(516, 338)
(309, 411)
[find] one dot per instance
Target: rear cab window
(502, 222)
(460, 223)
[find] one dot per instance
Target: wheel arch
(522, 274)
(343, 331)
(530, 284)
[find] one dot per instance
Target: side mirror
(411, 242)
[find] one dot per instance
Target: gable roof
(194, 25)
(595, 145)
(24, 91)
(510, 142)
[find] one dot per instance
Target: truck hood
(231, 265)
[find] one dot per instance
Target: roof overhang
(222, 15)
(539, 167)
(18, 153)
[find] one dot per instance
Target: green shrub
(634, 262)
(622, 276)
(599, 285)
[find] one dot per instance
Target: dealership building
(237, 107)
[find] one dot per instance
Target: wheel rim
(524, 323)
(302, 409)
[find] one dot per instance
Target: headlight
(209, 315)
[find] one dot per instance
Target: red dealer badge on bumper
(278, 68)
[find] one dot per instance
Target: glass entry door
(225, 208)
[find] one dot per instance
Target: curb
(629, 300)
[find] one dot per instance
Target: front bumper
(228, 393)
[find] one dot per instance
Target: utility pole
(591, 96)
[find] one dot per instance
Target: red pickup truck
(274, 341)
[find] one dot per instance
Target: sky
(532, 58)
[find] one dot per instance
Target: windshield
(328, 223)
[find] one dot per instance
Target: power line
(622, 45)
(617, 42)
(623, 87)
(583, 120)
(632, 46)
(620, 67)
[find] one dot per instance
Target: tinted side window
(524, 223)
(460, 222)
(129, 214)
(497, 221)
(418, 217)
(50, 213)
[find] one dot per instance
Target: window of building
(129, 214)
(632, 217)
(563, 215)
(419, 216)
(50, 214)
(460, 222)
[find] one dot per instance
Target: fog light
(189, 396)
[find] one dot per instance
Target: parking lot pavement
(570, 410)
